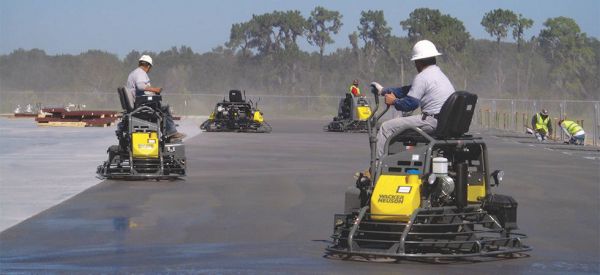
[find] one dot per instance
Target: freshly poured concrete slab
(43, 166)
(264, 204)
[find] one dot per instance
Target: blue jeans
(579, 140)
(169, 123)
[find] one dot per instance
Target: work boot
(363, 179)
(365, 173)
(176, 136)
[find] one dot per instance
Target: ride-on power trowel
(352, 115)
(144, 152)
(236, 115)
(428, 196)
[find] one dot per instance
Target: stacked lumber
(79, 118)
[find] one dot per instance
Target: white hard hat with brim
(424, 49)
(147, 59)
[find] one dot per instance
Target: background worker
(542, 125)
(138, 84)
(573, 131)
(354, 89)
(429, 90)
(345, 106)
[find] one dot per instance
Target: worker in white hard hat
(429, 90)
(138, 84)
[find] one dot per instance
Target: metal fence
(506, 114)
(515, 115)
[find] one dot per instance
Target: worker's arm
(404, 104)
(155, 90)
(399, 92)
(565, 131)
(142, 83)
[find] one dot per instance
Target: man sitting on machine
(138, 85)
(429, 90)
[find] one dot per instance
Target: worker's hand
(155, 90)
(390, 99)
(385, 91)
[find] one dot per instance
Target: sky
(117, 26)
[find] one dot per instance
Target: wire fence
(505, 114)
(516, 115)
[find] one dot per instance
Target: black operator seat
(455, 116)
(129, 105)
(126, 99)
(453, 122)
(235, 96)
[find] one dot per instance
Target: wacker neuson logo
(390, 199)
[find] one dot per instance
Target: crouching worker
(138, 84)
(429, 90)
(573, 131)
(542, 125)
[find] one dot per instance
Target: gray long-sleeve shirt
(137, 81)
(431, 87)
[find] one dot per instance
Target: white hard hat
(424, 49)
(146, 58)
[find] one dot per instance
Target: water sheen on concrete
(264, 203)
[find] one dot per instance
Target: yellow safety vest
(358, 89)
(542, 123)
(571, 127)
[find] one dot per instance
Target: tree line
(262, 55)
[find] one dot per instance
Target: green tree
(375, 33)
(447, 32)
(273, 36)
(356, 52)
(567, 49)
(322, 23)
(497, 23)
(101, 71)
(269, 33)
(519, 26)
(240, 37)
(289, 26)
(261, 34)
(373, 29)
(592, 81)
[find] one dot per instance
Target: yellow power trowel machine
(236, 115)
(428, 196)
(143, 151)
(353, 113)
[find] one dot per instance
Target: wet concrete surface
(264, 203)
(43, 166)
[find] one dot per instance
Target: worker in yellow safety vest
(542, 125)
(573, 131)
(354, 89)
